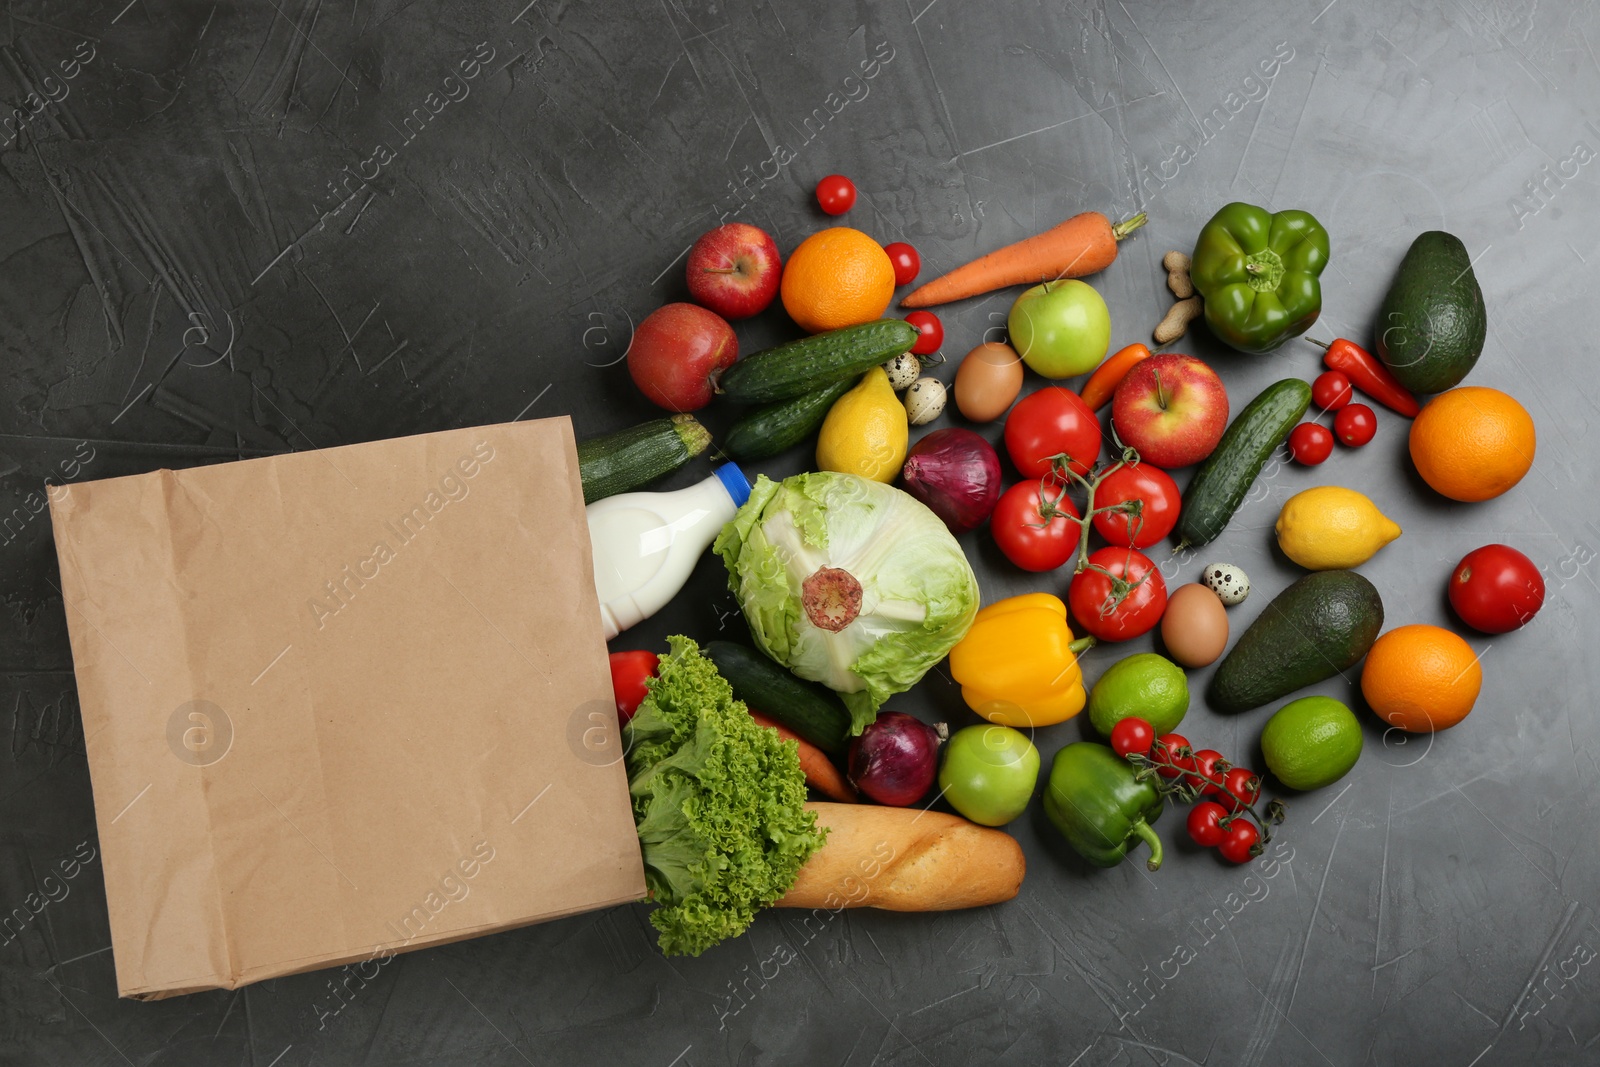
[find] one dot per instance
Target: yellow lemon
(1327, 528)
(865, 431)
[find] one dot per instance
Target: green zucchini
(811, 363)
(627, 459)
(768, 430)
(1220, 485)
(809, 710)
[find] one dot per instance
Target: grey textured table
(227, 230)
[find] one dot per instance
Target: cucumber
(811, 363)
(630, 458)
(1321, 625)
(768, 430)
(810, 711)
(1220, 485)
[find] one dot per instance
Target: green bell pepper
(1099, 806)
(1257, 273)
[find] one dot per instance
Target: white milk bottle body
(645, 545)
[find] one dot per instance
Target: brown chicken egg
(1195, 626)
(988, 380)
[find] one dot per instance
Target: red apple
(677, 353)
(734, 270)
(1172, 408)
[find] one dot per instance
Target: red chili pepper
(1368, 375)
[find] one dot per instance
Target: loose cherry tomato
(1240, 842)
(1203, 820)
(1049, 423)
(1132, 734)
(1331, 391)
(836, 194)
(1242, 786)
(1496, 589)
(1035, 525)
(1158, 510)
(1119, 596)
(629, 673)
(930, 332)
(1165, 754)
(907, 264)
(1355, 425)
(1205, 764)
(1310, 444)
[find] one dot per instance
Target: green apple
(1061, 329)
(989, 773)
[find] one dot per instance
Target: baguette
(905, 859)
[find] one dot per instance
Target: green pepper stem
(1083, 644)
(1127, 226)
(1148, 836)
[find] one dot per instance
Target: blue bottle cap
(734, 481)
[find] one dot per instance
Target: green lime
(1311, 742)
(1144, 684)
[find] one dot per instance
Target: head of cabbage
(848, 582)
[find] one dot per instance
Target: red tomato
(1310, 444)
(1240, 841)
(930, 332)
(1241, 787)
(1165, 748)
(836, 194)
(1036, 529)
(1048, 423)
(1205, 764)
(907, 264)
(1124, 602)
(1496, 589)
(629, 673)
(1158, 512)
(1355, 425)
(1203, 819)
(1331, 391)
(1132, 734)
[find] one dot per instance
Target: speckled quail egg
(1230, 583)
(903, 371)
(924, 401)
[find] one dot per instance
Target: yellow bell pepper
(1018, 664)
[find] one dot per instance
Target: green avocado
(1431, 329)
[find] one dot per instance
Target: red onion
(957, 474)
(894, 760)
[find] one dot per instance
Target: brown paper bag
(343, 703)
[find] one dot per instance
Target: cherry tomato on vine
(836, 194)
(629, 673)
(930, 332)
(1355, 425)
(1158, 512)
(1035, 528)
(1050, 422)
(907, 264)
(1241, 787)
(1310, 444)
(1239, 841)
(1331, 391)
(1119, 596)
(1203, 823)
(1496, 589)
(1164, 754)
(1132, 734)
(1205, 764)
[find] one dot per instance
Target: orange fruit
(837, 277)
(1472, 443)
(1421, 678)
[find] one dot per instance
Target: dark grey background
(186, 277)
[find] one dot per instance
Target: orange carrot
(820, 772)
(1084, 244)
(1096, 392)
